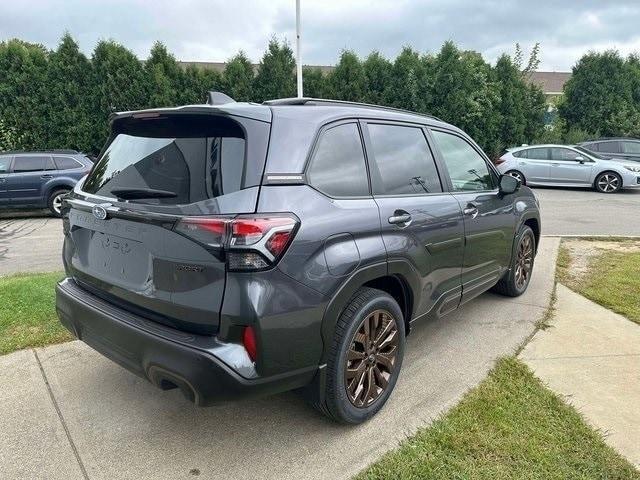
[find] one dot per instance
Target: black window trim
(444, 184)
(312, 151)
(478, 150)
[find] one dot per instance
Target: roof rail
(323, 101)
(67, 151)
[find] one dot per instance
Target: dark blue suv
(40, 179)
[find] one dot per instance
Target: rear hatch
(158, 169)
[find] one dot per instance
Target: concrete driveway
(66, 412)
(586, 212)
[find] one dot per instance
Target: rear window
(193, 157)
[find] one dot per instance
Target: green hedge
(62, 99)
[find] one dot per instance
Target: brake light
(498, 161)
(248, 242)
(249, 343)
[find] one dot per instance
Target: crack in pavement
(61, 417)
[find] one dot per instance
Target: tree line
(62, 98)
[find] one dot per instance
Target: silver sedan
(568, 166)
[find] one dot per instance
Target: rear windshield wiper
(140, 193)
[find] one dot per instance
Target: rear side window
(521, 154)
(4, 164)
(405, 165)
(66, 163)
(338, 167)
(609, 147)
(195, 159)
(467, 169)
(30, 163)
(538, 153)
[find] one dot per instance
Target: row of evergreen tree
(62, 99)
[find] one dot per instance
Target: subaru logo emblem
(99, 211)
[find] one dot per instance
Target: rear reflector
(249, 242)
(249, 343)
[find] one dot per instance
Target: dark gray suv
(241, 249)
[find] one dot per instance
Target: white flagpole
(298, 60)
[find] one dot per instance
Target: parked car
(240, 249)
(40, 179)
(615, 148)
(568, 166)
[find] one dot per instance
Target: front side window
(338, 167)
(405, 165)
(564, 154)
(29, 163)
(631, 147)
(467, 169)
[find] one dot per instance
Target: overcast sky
(213, 30)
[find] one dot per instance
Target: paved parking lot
(585, 212)
(34, 244)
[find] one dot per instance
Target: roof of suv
(307, 109)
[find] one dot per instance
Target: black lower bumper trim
(165, 360)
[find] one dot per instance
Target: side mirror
(508, 184)
(580, 159)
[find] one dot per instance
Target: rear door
(134, 232)
(567, 168)
(29, 173)
(535, 164)
(421, 223)
(489, 219)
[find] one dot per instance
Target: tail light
(498, 161)
(249, 243)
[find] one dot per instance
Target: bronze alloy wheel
(371, 358)
(524, 261)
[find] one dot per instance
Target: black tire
(52, 201)
(366, 304)
(518, 175)
(511, 284)
(608, 182)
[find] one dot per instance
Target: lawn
(611, 277)
(509, 427)
(27, 312)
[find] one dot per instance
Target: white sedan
(568, 166)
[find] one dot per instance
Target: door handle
(400, 218)
(471, 210)
(46, 175)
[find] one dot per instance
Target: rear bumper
(205, 369)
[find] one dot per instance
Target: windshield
(187, 169)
